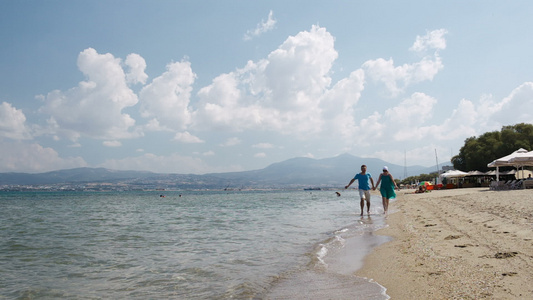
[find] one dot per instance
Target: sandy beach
(457, 244)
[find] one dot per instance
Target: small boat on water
(313, 189)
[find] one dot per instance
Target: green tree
(476, 153)
(419, 178)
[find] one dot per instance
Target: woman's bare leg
(385, 204)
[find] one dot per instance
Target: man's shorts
(364, 194)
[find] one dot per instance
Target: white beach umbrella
(454, 173)
(506, 161)
(476, 173)
(523, 159)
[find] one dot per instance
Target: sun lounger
(493, 185)
(517, 184)
(527, 184)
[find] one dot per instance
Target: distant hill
(333, 171)
(295, 172)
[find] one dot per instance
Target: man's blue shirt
(364, 181)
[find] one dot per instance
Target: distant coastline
(296, 173)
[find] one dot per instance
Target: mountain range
(295, 172)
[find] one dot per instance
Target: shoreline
(460, 243)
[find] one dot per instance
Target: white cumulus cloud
(137, 65)
(234, 141)
(406, 120)
(280, 93)
(166, 99)
(33, 158)
(95, 107)
(432, 40)
(515, 108)
(262, 27)
(263, 146)
(290, 92)
(260, 155)
(112, 143)
(397, 78)
(13, 123)
(186, 137)
(173, 163)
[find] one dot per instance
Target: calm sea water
(200, 245)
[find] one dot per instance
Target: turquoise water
(200, 245)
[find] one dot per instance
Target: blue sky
(216, 86)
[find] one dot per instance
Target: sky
(196, 87)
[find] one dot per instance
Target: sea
(187, 245)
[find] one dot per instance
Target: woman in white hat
(388, 185)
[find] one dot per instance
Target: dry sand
(457, 244)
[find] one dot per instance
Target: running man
(364, 188)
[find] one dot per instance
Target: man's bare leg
(362, 205)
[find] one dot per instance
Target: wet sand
(457, 244)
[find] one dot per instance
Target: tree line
(418, 178)
(478, 152)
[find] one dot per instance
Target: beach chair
(509, 184)
(501, 185)
(528, 184)
(517, 184)
(521, 184)
(493, 185)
